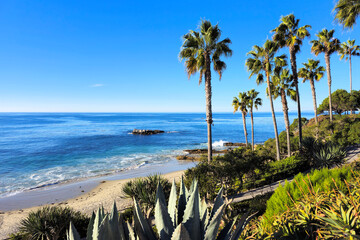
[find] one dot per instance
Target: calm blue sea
(38, 149)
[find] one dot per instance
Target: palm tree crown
(326, 43)
(282, 80)
(262, 60)
(349, 48)
(289, 34)
(311, 71)
(204, 45)
(254, 100)
(346, 12)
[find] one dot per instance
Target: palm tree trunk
(286, 118)
(312, 84)
(295, 76)
(351, 110)
(245, 130)
(252, 129)
(328, 72)
(208, 105)
(273, 117)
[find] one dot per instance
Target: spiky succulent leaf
(105, 231)
(72, 234)
(214, 224)
(130, 232)
(172, 203)
(241, 225)
(180, 233)
(182, 201)
(90, 227)
(160, 194)
(225, 233)
(219, 201)
(204, 215)
(142, 227)
(163, 221)
(191, 218)
(114, 223)
(124, 232)
(96, 225)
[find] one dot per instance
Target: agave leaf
(89, 232)
(122, 228)
(102, 212)
(180, 233)
(163, 221)
(204, 215)
(191, 218)
(104, 229)
(219, 201)
(114, 223)
(97, 222)
(130, 232)
(244, 220)
(160, 194)
(192, 187)
(214, 224)
(72, 234)
(225, 233)
(172, 203)
(182, 201)
(142, 227)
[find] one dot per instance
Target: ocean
(41, 149)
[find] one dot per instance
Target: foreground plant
(50, 223)
(184, 217)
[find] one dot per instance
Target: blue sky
(122, 56)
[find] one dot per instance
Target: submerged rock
(146, 132)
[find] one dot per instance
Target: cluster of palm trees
(203, 48)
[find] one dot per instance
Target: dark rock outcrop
(203, 151)
(146, 132)
(230, 144)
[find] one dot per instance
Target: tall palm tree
(327, 44)
(200, 50)
(262, 60)
(241, 104)
(349, 49)
(289, 34)
(254, 101)
(283, 86)
(346, 12)
(312, 72)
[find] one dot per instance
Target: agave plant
(184, 217)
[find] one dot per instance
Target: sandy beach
(104, 194)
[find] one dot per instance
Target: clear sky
(122, 56)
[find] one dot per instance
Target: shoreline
(63, 191)
(103, 194)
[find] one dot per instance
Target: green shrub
(324, 179)
(51, 223)
(144, 190)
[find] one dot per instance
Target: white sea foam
(219, 143)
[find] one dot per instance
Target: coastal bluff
(146, 132)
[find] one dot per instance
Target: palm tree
(199, 50)
(254, 101)
(289, 34)
(349, 49)
(346, 12)
(262, 60)
(282, 86)
(241, 104)
(312, 72)
(327, 44)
